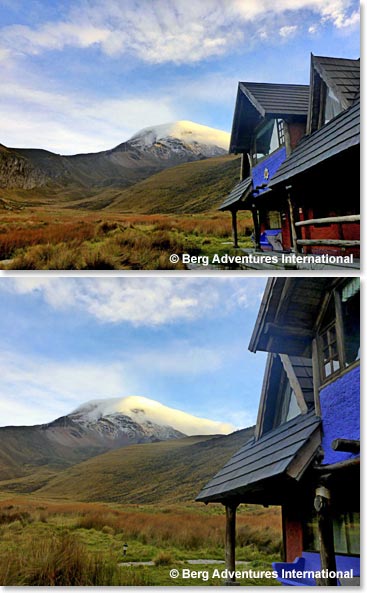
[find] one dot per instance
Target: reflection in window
(351, 325)
(346, 527)
(290, 408)
(330, 357)
(269, 138)
(332, 105)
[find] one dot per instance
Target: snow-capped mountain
(153, 417)
(147, 152)
(181, 139)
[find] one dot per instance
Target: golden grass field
(51, 239)
(51, 543)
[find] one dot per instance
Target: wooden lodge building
(304, 456)
(300, 161)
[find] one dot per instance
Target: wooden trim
(329, 220)
(316, 377)
(294, 383)
(339, 374)
(288, 330)
(339, 329)
(264, 390)
(329, 242)
(304, 457)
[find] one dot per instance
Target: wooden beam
(293, 228)
(234, 228)
(326, 535)
(347, 464)
(287, 331)
(329, 242)
(294, 383)
(339, 328)
(231, 541)
(346, 445)
(329, 220)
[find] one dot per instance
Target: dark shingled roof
(341, 75)
(268, 457)
(336, 136)
(237, 193)
(257, 101)
(277, 99)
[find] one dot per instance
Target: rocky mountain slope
(94, 428)
(16, 171)
(149, 151)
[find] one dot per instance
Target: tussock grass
(81, 544)
(86, 241)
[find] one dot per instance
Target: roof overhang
(236, 199)
(263, 471)
(286, 318)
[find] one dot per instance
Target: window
(268, 138)
(339, 332)
(332, 106)
(274, 220)
(346, 527)
(330, 356)
(350, 310)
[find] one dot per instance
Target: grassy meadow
(47, 543)
(50, 239)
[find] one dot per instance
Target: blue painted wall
(272, 163)
(340, 413)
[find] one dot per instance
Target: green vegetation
(45, 544)
(169, 471)
(58, 240)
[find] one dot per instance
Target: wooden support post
(231, 542)
(292, 223)
(326, 535)
(234, 228)
(256, 227)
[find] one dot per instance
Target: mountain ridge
(145, 153)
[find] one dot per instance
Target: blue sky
(180, 341)
(84, 75)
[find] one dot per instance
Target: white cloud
(68, 123)
(37, 390)
(142, 302)
(288, 31)
(160, 31)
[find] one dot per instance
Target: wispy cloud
(138, 302)
(70, 123)
(161, 31)
(36, 389)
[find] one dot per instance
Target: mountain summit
(94, 428)
(147, 413)
(182, 137)
(147, 152)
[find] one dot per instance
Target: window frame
(280, 128)
(337, 323)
